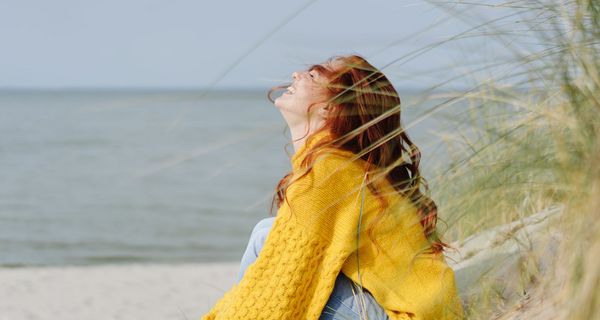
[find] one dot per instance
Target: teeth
(291, 90)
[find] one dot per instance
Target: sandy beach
(165, 292)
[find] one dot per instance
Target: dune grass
(528, 140)
(532, 143)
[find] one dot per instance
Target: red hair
(364, 118)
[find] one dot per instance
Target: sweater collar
(309, 143)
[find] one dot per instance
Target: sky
(225, 44)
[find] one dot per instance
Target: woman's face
(307, 88)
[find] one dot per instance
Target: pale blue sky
(192, 44)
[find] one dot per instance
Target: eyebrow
(321, 70)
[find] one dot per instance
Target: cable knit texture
(316, 235)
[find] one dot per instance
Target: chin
(279, 104)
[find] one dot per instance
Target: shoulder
(333, 167)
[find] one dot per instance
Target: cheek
(312, 94)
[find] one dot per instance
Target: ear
(324, 110)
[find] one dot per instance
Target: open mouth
(291, 90)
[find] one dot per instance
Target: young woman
(353, 237)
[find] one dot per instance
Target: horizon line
(85, 89)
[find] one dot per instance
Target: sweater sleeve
(309, 241)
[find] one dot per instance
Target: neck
(299, 134)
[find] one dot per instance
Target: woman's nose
(294, 75)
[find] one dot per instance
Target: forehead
(328, 67)
(335, 64)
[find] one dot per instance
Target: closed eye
(313, 74)
(316, 72)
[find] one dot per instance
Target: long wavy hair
(364, 118)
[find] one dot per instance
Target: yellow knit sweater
(314, 237)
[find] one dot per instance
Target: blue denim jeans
(347, 300)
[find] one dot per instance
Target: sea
(147, 176)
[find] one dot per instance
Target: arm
(304, 252)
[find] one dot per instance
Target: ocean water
(128, 177)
